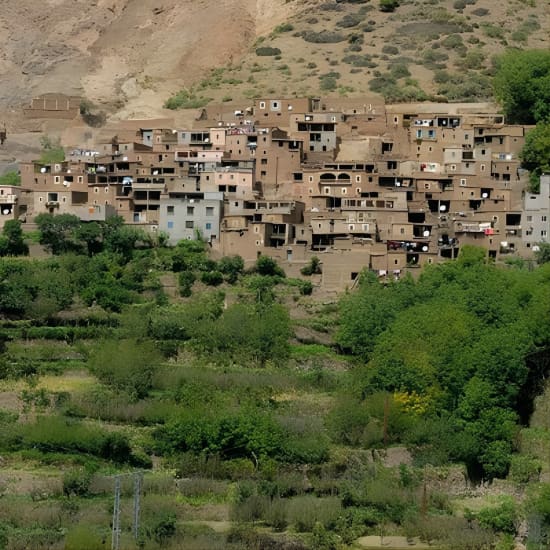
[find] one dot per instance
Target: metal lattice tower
(138, 478)
(115, 544)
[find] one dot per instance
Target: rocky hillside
(130, 56)
(115, 51)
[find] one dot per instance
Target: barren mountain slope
(112, 50)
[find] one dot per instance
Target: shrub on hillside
(267, 51)
(323, 37)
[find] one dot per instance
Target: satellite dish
(5, 211)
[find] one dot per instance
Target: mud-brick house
(53, 105)
(14, 202)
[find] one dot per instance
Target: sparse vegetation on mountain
(11, 178)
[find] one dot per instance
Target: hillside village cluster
(357, 183)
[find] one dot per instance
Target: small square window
(208, 226)
(170, 225)
(189, 224)
(190, 210)
(170, 210)
(209, 210)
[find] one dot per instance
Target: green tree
(58, 233)
(164, 529)
(91, 235)
(257, 333)
(535, 155)
(13, 243)
(231, 267)
(265, 265)
(542, 255)
(522, 85)
(123, 239)
(126, 365)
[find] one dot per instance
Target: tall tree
(522, 85)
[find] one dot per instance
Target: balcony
(8, 199)
(462, 227)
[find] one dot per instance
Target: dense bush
(323, 37)
(479, 388)
(126, 365)
(267, 51)
(185, 99)
(54, 434)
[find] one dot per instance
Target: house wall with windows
(192, 215)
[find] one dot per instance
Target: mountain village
(355, 182)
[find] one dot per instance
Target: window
(482, 167)
(358, 179)
(209, 210)
(263, 161)
(189, 224)
(344, 191)
(529, 218)
(106, 189)
(80, 179)
(170, 225)
(170, 210)
(57, 179)
(543, 233)
(543, 218)
(262, 104)
(190, 210)
(96, 189)
(463, 182)
(208, 226)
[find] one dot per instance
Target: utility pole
(115, 544)
(138, 478)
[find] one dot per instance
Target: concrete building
(535, 221)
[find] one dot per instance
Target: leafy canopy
(535, 155)
(522, 85)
